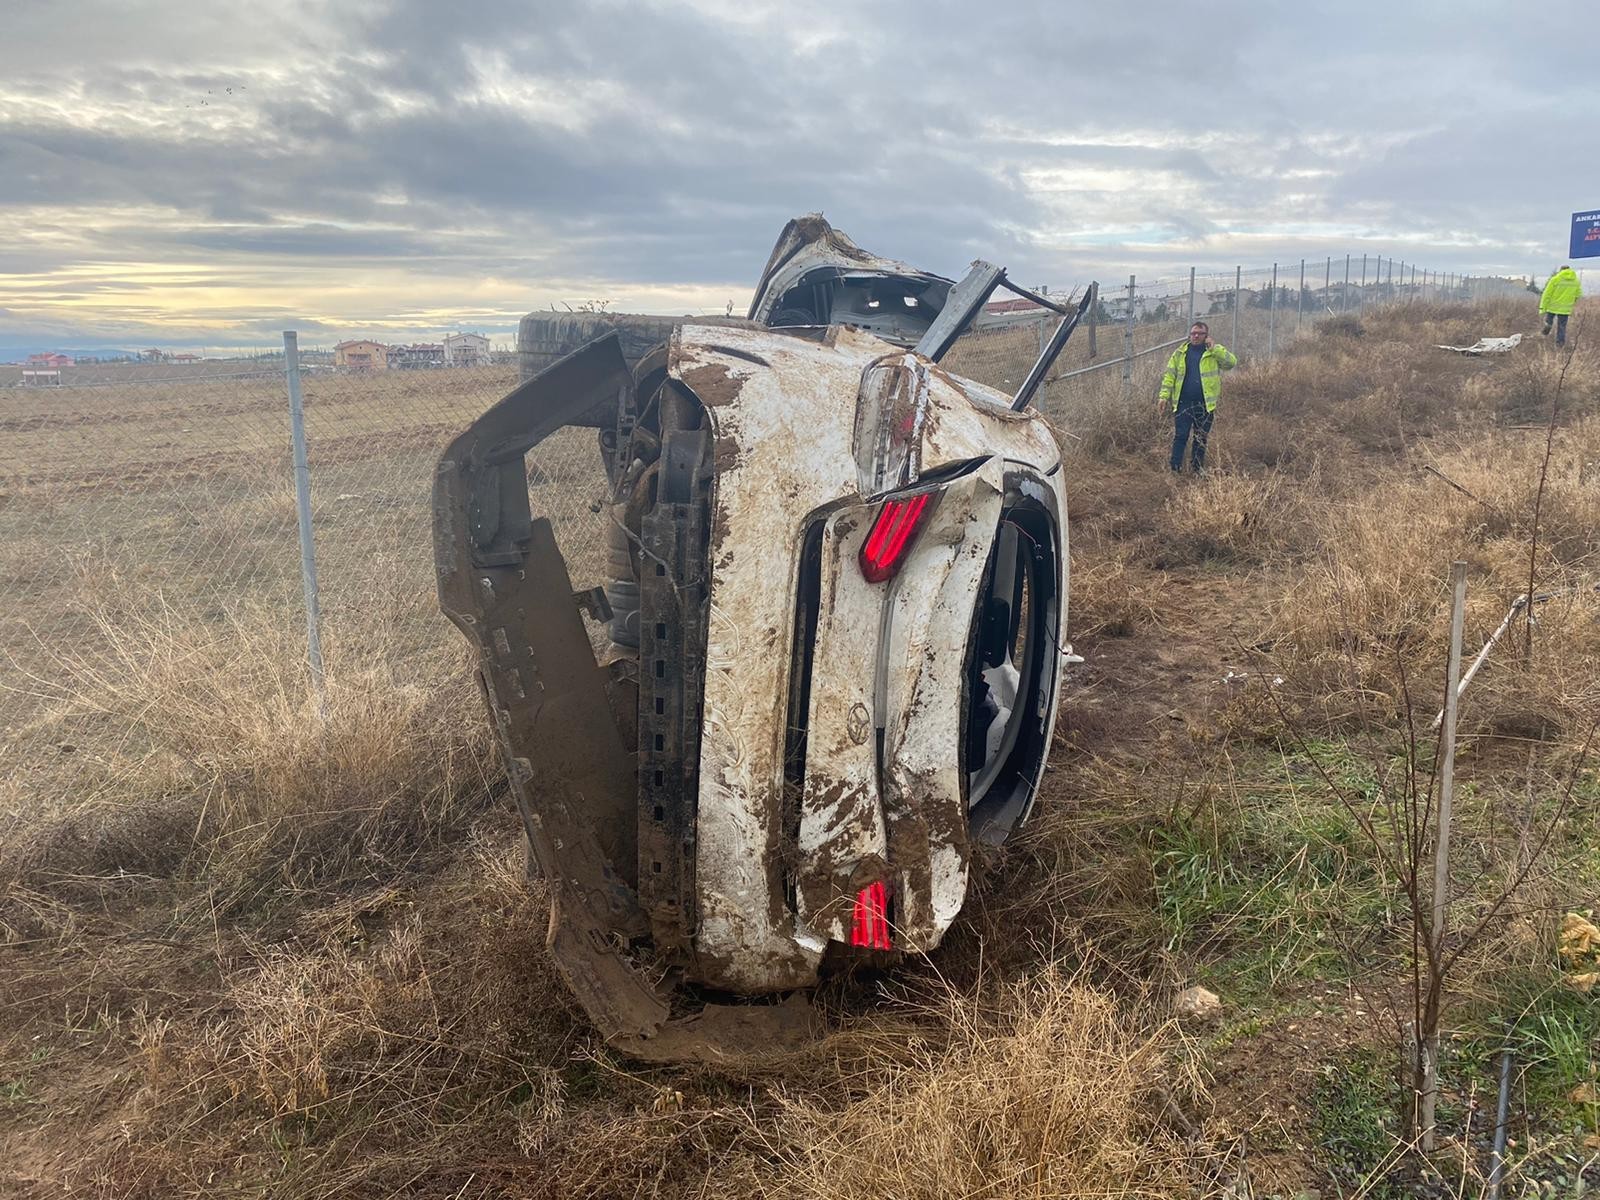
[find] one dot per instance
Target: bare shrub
(1372, 589)
(1342, 326)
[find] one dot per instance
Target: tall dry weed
(223, 759)
(1044, 1091)
(1109, 597)
(1372, 593)
(1231, 518)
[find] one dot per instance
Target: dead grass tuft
(228, 766)
(1229, 518)
(1108, 596)
(1044, 1091)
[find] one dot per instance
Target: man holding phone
(1190, 387)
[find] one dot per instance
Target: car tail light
(870, 928)
(891, 537)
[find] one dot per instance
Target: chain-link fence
(148, 512)
(148, 519)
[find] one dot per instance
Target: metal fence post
(1094, 318)
(1327, 283)
(1361, 296)
(1191, 295)
(1300, 300)
(1344, 297)
(1238, 277)
(1127, 346)
(302, 499)
(1272, 310)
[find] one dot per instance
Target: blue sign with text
(1586, 234)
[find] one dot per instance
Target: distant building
(466, 350)
(416, 356)
(55, 361)
(361, 356)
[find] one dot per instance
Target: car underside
(833, 630)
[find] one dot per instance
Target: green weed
(1279, 891)
(1355, 1106)
(1554, 1031)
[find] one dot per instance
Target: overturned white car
(838, 594)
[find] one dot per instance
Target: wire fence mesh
(146, 508)
(148, 512)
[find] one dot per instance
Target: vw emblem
(859, 723)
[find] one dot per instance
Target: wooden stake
(1441, 858)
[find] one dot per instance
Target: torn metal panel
(842, 842)
(925, 652)
(968, 420)
(818, 276)
(965, 302)
(502, 581)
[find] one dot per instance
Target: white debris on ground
(1498, 345)
(1234, 678)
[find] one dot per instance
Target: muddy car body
(835, 618)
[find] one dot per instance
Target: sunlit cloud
(189, 175)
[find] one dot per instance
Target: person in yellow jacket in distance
(1559, 299)
(1190, 388)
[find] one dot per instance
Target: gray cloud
(649, 152)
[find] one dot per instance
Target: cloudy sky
(209, 173)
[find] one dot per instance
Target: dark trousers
(1190, 420)
(1561, 326)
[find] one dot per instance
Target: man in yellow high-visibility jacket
(1559, 299)
(1190, 387)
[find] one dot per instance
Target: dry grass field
(249, 951)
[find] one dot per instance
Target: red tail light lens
(870, 927)
(891, 536)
